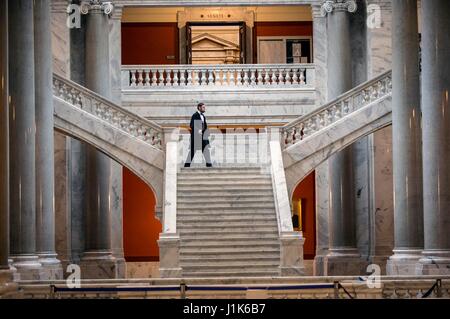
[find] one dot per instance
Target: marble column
(77, 153)
(436, 137)
(7, 286)
(5, 273)
(45, 169)
(115, 54)
(60, 40)
(343, 257)
(320, 44)
(407, 146)
(22, 140)
(98, 260)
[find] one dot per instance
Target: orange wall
(140, 227)
(149, 43)
(306, 190)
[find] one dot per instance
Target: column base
(434, 262)
(319, 265)
(121, 267)
(52, 267)
(403, 262)
(8, 288)
(98, 265)
(291, 254)
(169, 256)
(28, 267)
(344, 262)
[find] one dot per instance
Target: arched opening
(141, 229)
(304, 214)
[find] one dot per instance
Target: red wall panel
(149, 43)
(306, 191)
(141, 229)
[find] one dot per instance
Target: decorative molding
(96, 5)
(338, 5)
(195, 14)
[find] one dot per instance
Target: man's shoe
(209, 165)
(187, 165)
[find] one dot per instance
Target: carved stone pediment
(207, 41)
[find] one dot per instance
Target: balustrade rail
(237, 75)
(352, 101)
(105, 110)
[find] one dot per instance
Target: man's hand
(199, 131)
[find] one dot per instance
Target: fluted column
(6, 274)
(343, 257)
(22, 140)
(4, 138)
(98, 261)
(407, 142)
(45, 167)
(436, 136)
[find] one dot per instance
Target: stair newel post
(291, 242)
(169, 239)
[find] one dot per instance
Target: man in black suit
(199, 136)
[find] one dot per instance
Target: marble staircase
(227, 222)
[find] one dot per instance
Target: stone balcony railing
(107, 111)
(157, 77)
(348, 103)
(244, 94)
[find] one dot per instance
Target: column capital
(117, 13)
(338, 5)
(97, 6)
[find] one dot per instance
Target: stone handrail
(105, 110)
(223, 75)
(333, 111)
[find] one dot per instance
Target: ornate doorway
(216, 42)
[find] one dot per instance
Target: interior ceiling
(262, 14)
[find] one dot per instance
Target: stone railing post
(291, 242)
(169, 239)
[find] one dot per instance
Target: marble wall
(62, 200)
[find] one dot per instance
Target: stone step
(224, 178)
(233, 195)
(231, 227)
(223, 251)
(224, 266)
(255, 205)
(212, 203)
(227, 237)
(221, 183)
(274, 257)
(229, 243)
(226, 219)
(226, 189)
(228, 231)
(223, 170)
(205, 212)
(238, 273)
